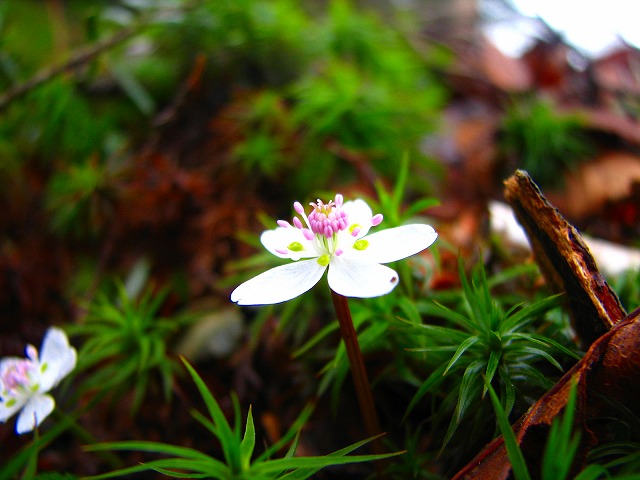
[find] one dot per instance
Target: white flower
(24, 382)
(334, 237)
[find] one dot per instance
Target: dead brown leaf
(564, 259)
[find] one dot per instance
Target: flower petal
(34, 412)
(363, 280)
(7, 411)
(278, 240)
(358, 213)
(57, 358)
(279, 284)
(10, 401)
(395, 244)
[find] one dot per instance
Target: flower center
(322, 227)
(16, 378)
(327, 220)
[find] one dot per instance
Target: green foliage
(80, 199)
(125, 343)
(618, 460)
(561, 447)
(247, 38)
(266, 126)
(562, 443)
(358, 89)
(55, 121)
(392, 203)
(415, 463)
(543, 141)
(482, 343)
(627, 287)
(238, 450)
(26, 459)
(55, 476)
(518, 464)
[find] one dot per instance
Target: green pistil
(295, 247)
(323, 260)
(361, 244)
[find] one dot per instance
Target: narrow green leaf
(188, 468)
(420, 206)
(431, 382)
(516, 458)
(464, 346)
(492, 365)
(561, 445)
(530, 312)
(338, 457)
(205, 422)
(541, 353)
(152, 447)
(466, 323)
(315, 339)
(228, 439)
(292, 432)
(248, 442)
(469, 390)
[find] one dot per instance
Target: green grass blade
(561, 446)
(291, 433)
(518, 465)
(228, 439)
(469, 390)
(152, 447)
(492, 366)
(248, 442)
(464, 346)
(436, 377)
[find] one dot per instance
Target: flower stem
(358, 371)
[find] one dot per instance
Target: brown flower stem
(359, 373)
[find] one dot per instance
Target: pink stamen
(283, 223)
(297, 222)
(308, 234)
(16, 375)
(297, 206)
(329, 219)
(282, 252)
(376, 220)
(339, 252)
(355, 232)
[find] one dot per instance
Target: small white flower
(24, 382)
(334, 237)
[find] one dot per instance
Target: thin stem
(358, 372)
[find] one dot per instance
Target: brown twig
(82, 56)
(78, 59)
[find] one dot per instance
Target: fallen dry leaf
(565, 260)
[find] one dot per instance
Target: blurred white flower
(24, 382)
